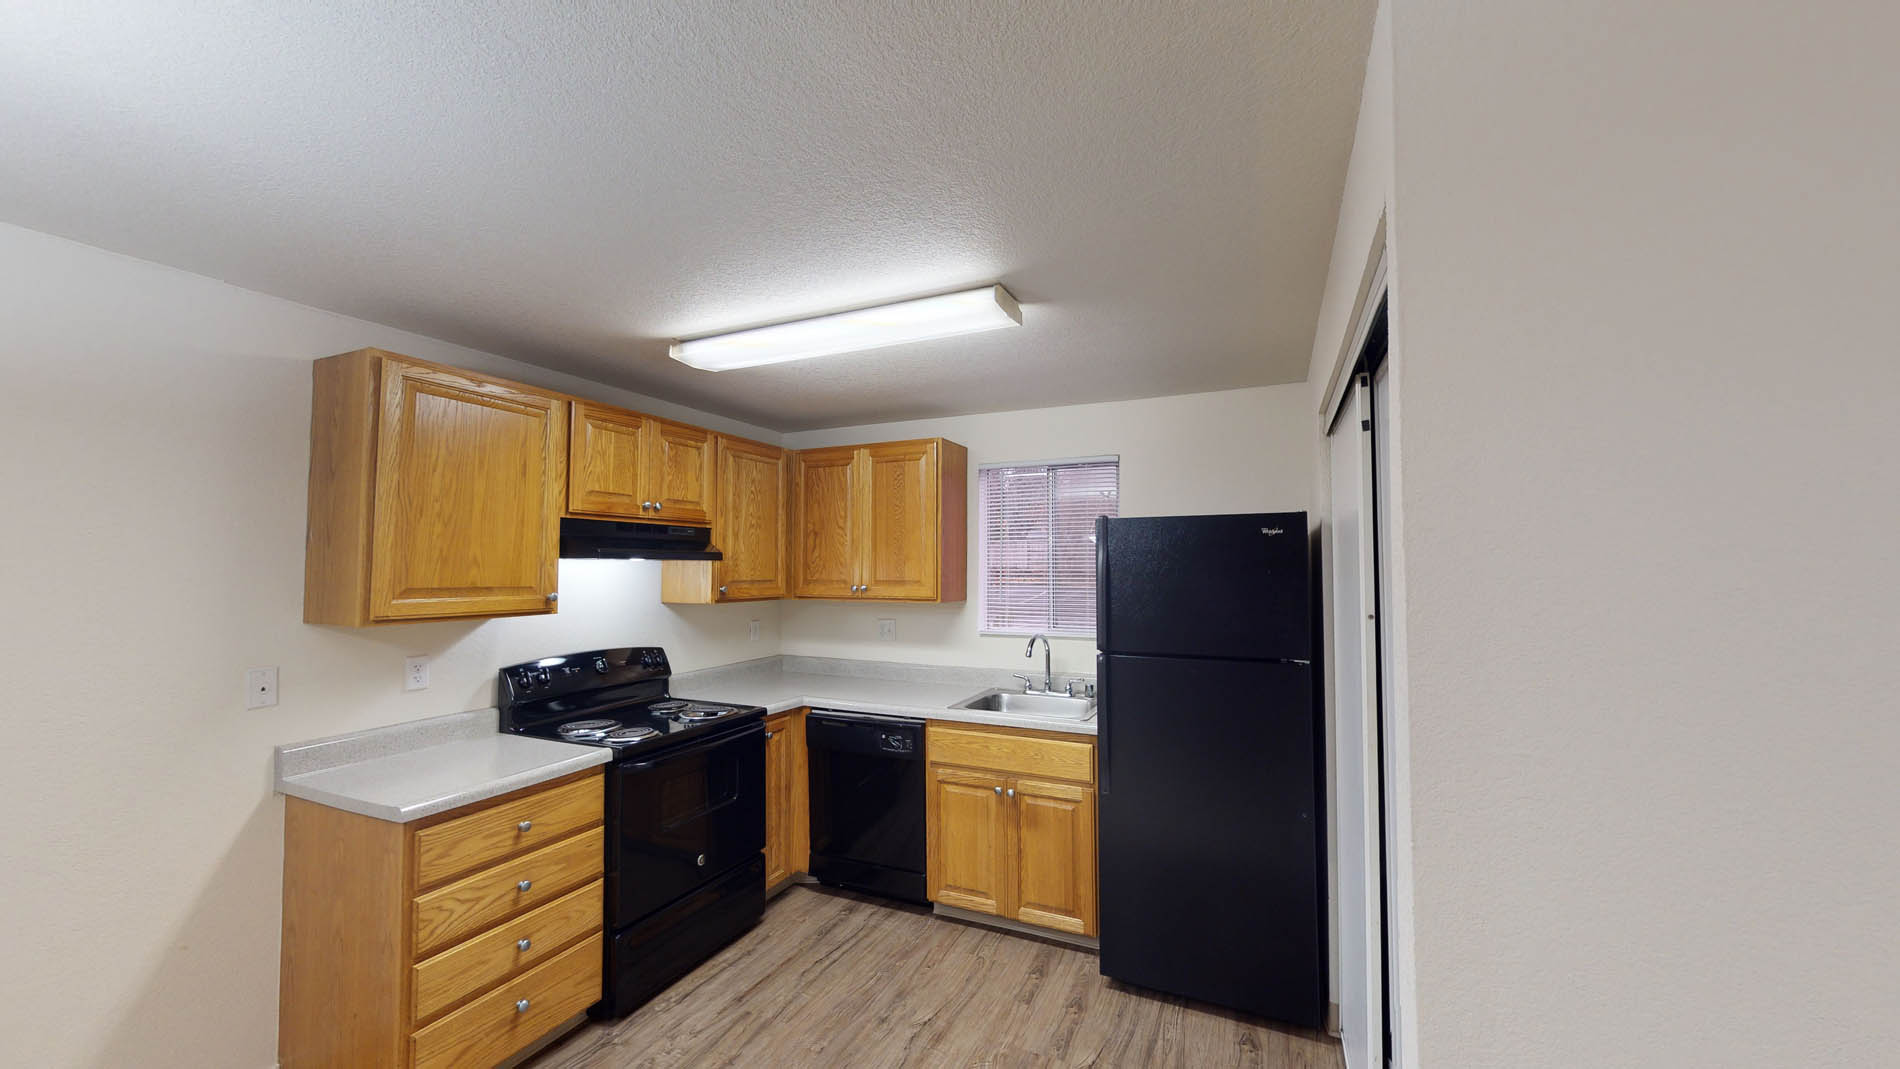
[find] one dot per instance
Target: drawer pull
(521, 1006)
(523, 944)
(524, 885)
(525, 825)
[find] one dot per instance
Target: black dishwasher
(867, 802)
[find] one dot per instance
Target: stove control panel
(595, 670)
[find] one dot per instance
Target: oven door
(680, 819)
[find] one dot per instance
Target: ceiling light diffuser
(944, 316)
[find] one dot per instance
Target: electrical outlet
(752, 630)
(887, 629)
(260, 687)
(415, 673)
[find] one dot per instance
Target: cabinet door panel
(900, 504)
(749, 525)
(778, 799)
(969, 841)
(825, 555)
(606, 462)
(1055, 856)
(680, 473)
(467, 513)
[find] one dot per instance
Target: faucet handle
(1027, 681)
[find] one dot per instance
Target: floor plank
(831, 978)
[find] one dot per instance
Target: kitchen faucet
(1048, 677)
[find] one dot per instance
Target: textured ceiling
(572, 184)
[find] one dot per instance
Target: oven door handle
(756, 728)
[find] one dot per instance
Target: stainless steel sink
(1050, 706)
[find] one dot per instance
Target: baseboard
(1081, 942)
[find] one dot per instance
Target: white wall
(156, 448)
(1647, 266)
(1232, 451)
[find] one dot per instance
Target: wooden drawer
(482, 838)
(458, 910)
(495, 1026)
(1029, 755)
(496, 954)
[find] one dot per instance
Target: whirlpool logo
(1272, 530)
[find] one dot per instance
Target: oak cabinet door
(899, 505)
(778, 799)
(749, 524)
(607, 462)
(680, 473)
(825, 552)
(467, 497)
(968, 827)
(1054, 879)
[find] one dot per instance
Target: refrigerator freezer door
(1205, 586)
(1211, 878)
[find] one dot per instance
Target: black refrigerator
(1213, 879)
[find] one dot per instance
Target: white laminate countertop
(778, 690)
(408, 771)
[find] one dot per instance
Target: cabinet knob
(524, 885)
(523, 944)
(998, 790)
(645, 505)
(722, 590)
(526, 825)
(521, 1006)
(1010, 793)
(553, 596)
(768, 734)
(657, 506)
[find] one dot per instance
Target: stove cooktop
(615, 698)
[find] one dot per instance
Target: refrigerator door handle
(1101, 585)
(1102, 690)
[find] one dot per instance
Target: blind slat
(1036, 533)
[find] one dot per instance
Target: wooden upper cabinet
(606, 462)
(826, 556)
(625, 465)
(434, 493)
(886, 521)
(680, 469)
(750, 487)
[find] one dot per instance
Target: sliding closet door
(1353, 658)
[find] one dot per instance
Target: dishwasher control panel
(896, 742)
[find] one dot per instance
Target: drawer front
(496, 954)
(496, 1025)
(1021, 754)
(453, 912)
(457, 846)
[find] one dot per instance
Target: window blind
(1036, 539)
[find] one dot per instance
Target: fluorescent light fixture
(849, 332)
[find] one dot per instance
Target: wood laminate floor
(835, 979)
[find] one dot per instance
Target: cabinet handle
(526, 825)
(702, 861)
(768, 734)
(657, 506)
(645, 505)
(1011, 793)
(524, 885)
(553, 596)
(523, 944)
(998, 790)
(722, 590)
(521, 1006)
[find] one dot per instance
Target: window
(1036, 539)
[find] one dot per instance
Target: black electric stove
(685, 817)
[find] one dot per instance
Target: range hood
(620, 540)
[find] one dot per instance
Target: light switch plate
(260, 687)
(752, 630)
(415, 673)
(887, 629)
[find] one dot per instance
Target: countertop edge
(403, 814)
(1085, 728)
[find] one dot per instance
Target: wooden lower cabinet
(787, 799)
(455, 940)
(1014, 839)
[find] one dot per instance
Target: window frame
(982, 544)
